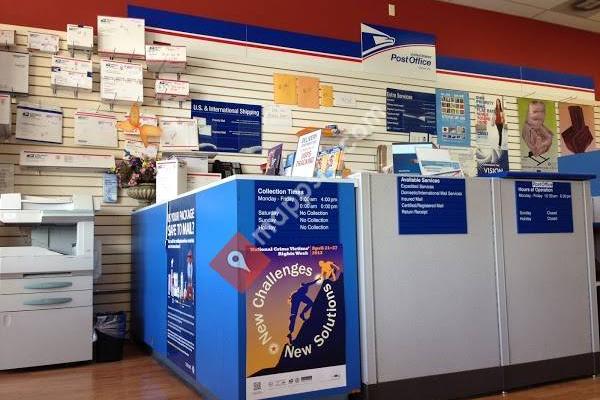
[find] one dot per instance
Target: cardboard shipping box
(121, 37)
(167, 89)
(121, 82)
(162, 58)
(15, 72)
(196, 180)
(80, 37)
(171, 179)
(71, 73)
(7, 37)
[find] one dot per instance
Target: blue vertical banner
(453, 118)
(491, 150)
(408, 112)
(544, 207)
(228, 127)
(181, 283)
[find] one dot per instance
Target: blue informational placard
(109, 188)
(302, 213)
(544, 207)
(181, 284)
(429, 206)
(408, 111)
(228, 127)
(453, 118)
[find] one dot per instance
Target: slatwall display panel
(218, 74)
(597, 125)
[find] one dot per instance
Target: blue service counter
(247, 288)
(254, 287)
(474, 286)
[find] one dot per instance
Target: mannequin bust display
(535, 134)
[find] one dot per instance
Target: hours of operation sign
(544, 207)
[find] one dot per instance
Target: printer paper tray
(43, 263)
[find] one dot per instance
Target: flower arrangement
(132, 171)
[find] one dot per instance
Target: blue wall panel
(583, 163)
(150, 263)
(217, 302)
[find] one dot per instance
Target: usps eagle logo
(374, 41)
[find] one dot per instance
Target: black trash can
(110, 329)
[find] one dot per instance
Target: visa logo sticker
(398, 52)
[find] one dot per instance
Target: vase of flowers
(138, 175)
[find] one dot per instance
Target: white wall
(223, 72)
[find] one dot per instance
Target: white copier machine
(46, 288)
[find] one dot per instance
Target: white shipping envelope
(277, 115)
(5, 114)
(205, 130)
(39, 123)
(167, 89)
(137, 149)
(344, 100)
(5, 117)
(145, 119)
(437, 162)
(45, 42)
(7, 178)
(465, 156)
(15, 72)
(71, 73)
(7, 38)
(95, 129)
(47, 159)
(162, 58)
(80, 37)
(121, 36)
(197, 163)
(178, 134)
(121, 82)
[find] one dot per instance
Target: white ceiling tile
(543, 4)
(568, 20)
(501, 6)
(570, 9)
(534, 9)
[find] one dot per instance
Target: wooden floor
(139, 376)
(583, 389)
